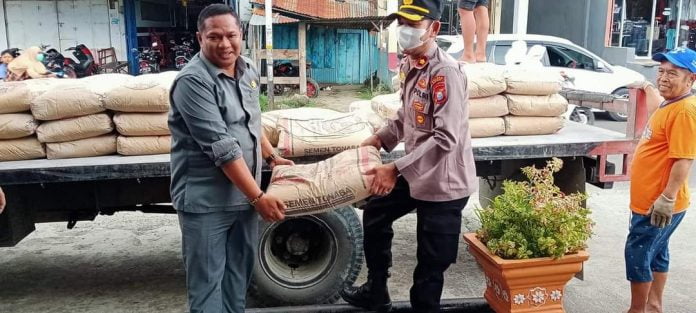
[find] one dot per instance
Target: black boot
(372, 295)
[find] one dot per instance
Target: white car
(591, 73)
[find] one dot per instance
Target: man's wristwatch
(254, 201)
(270, 158)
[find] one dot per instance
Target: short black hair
(12, 52)
(216, 10)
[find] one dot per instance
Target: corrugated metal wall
(338, 56)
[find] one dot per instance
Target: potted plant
(531, 242)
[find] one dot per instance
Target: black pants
(438, 231)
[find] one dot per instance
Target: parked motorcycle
(86, 67)
(55, 62)
(149, 60)
(182, 53)
(287, 69)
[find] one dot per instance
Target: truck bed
(573, 140)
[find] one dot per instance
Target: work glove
(661, 211)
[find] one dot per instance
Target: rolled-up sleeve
(195, 100)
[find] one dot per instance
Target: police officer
(435, 177)
(217, 147)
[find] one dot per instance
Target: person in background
(28, 65)
(473, 16)
(659, 177)
(5, 58)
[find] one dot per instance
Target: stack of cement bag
(513, 101)
(74, 122)
(17, 126)
(141, 106)
(335, 182)
(313, 131)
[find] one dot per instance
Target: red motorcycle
(86, 67)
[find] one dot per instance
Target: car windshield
(443, 44)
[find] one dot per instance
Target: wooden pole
(269, 52)
(302, 47)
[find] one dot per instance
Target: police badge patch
(439, 90)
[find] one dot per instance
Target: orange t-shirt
(670, 135)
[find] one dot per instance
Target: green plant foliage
(534, 218)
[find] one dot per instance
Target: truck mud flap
(460, 305)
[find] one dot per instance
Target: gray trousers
(218, 250)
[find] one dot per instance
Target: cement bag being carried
(75, 128)
(485, 79)
(329, 184)
(269, 120)
(142, 124)
(530, 125)
(144, 145)
(363, 110)
(386, 106)
(144, 93)
(553, 105)
(494, 106)
(321, 137)
(90, 147)
(66, 101)
(532, 81)
(486, 127)
(27, 148)
(17, 125)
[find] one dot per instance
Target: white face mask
(410, 37)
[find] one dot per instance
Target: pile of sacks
(140, 118)
(512, 101)
(314, 131)
(93, 116)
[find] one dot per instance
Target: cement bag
(17, 125)
(335, 182)
(269, 120)
(14, 97)
(494, 106)
(321, 137)
(66, 101)
(27, 148)
(103, 83)
(90, 147)
(530, 125)
(486, 127)
(363, 110)
(553, 105)
(75, 128)
(386, 106)
(485, 79)
(144, 93)
(142, 124)
(145, 145)
(533, 82)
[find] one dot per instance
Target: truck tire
(307, 260)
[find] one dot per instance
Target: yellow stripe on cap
(410, 17)
(415, 7)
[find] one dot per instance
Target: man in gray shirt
(217, 147)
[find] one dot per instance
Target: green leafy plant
(532, 219)
(366, 93)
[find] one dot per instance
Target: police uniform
(215, 118)
(437, 174)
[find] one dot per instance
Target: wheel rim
(311, 91)
(298, 253)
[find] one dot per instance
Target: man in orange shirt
(659, 184)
